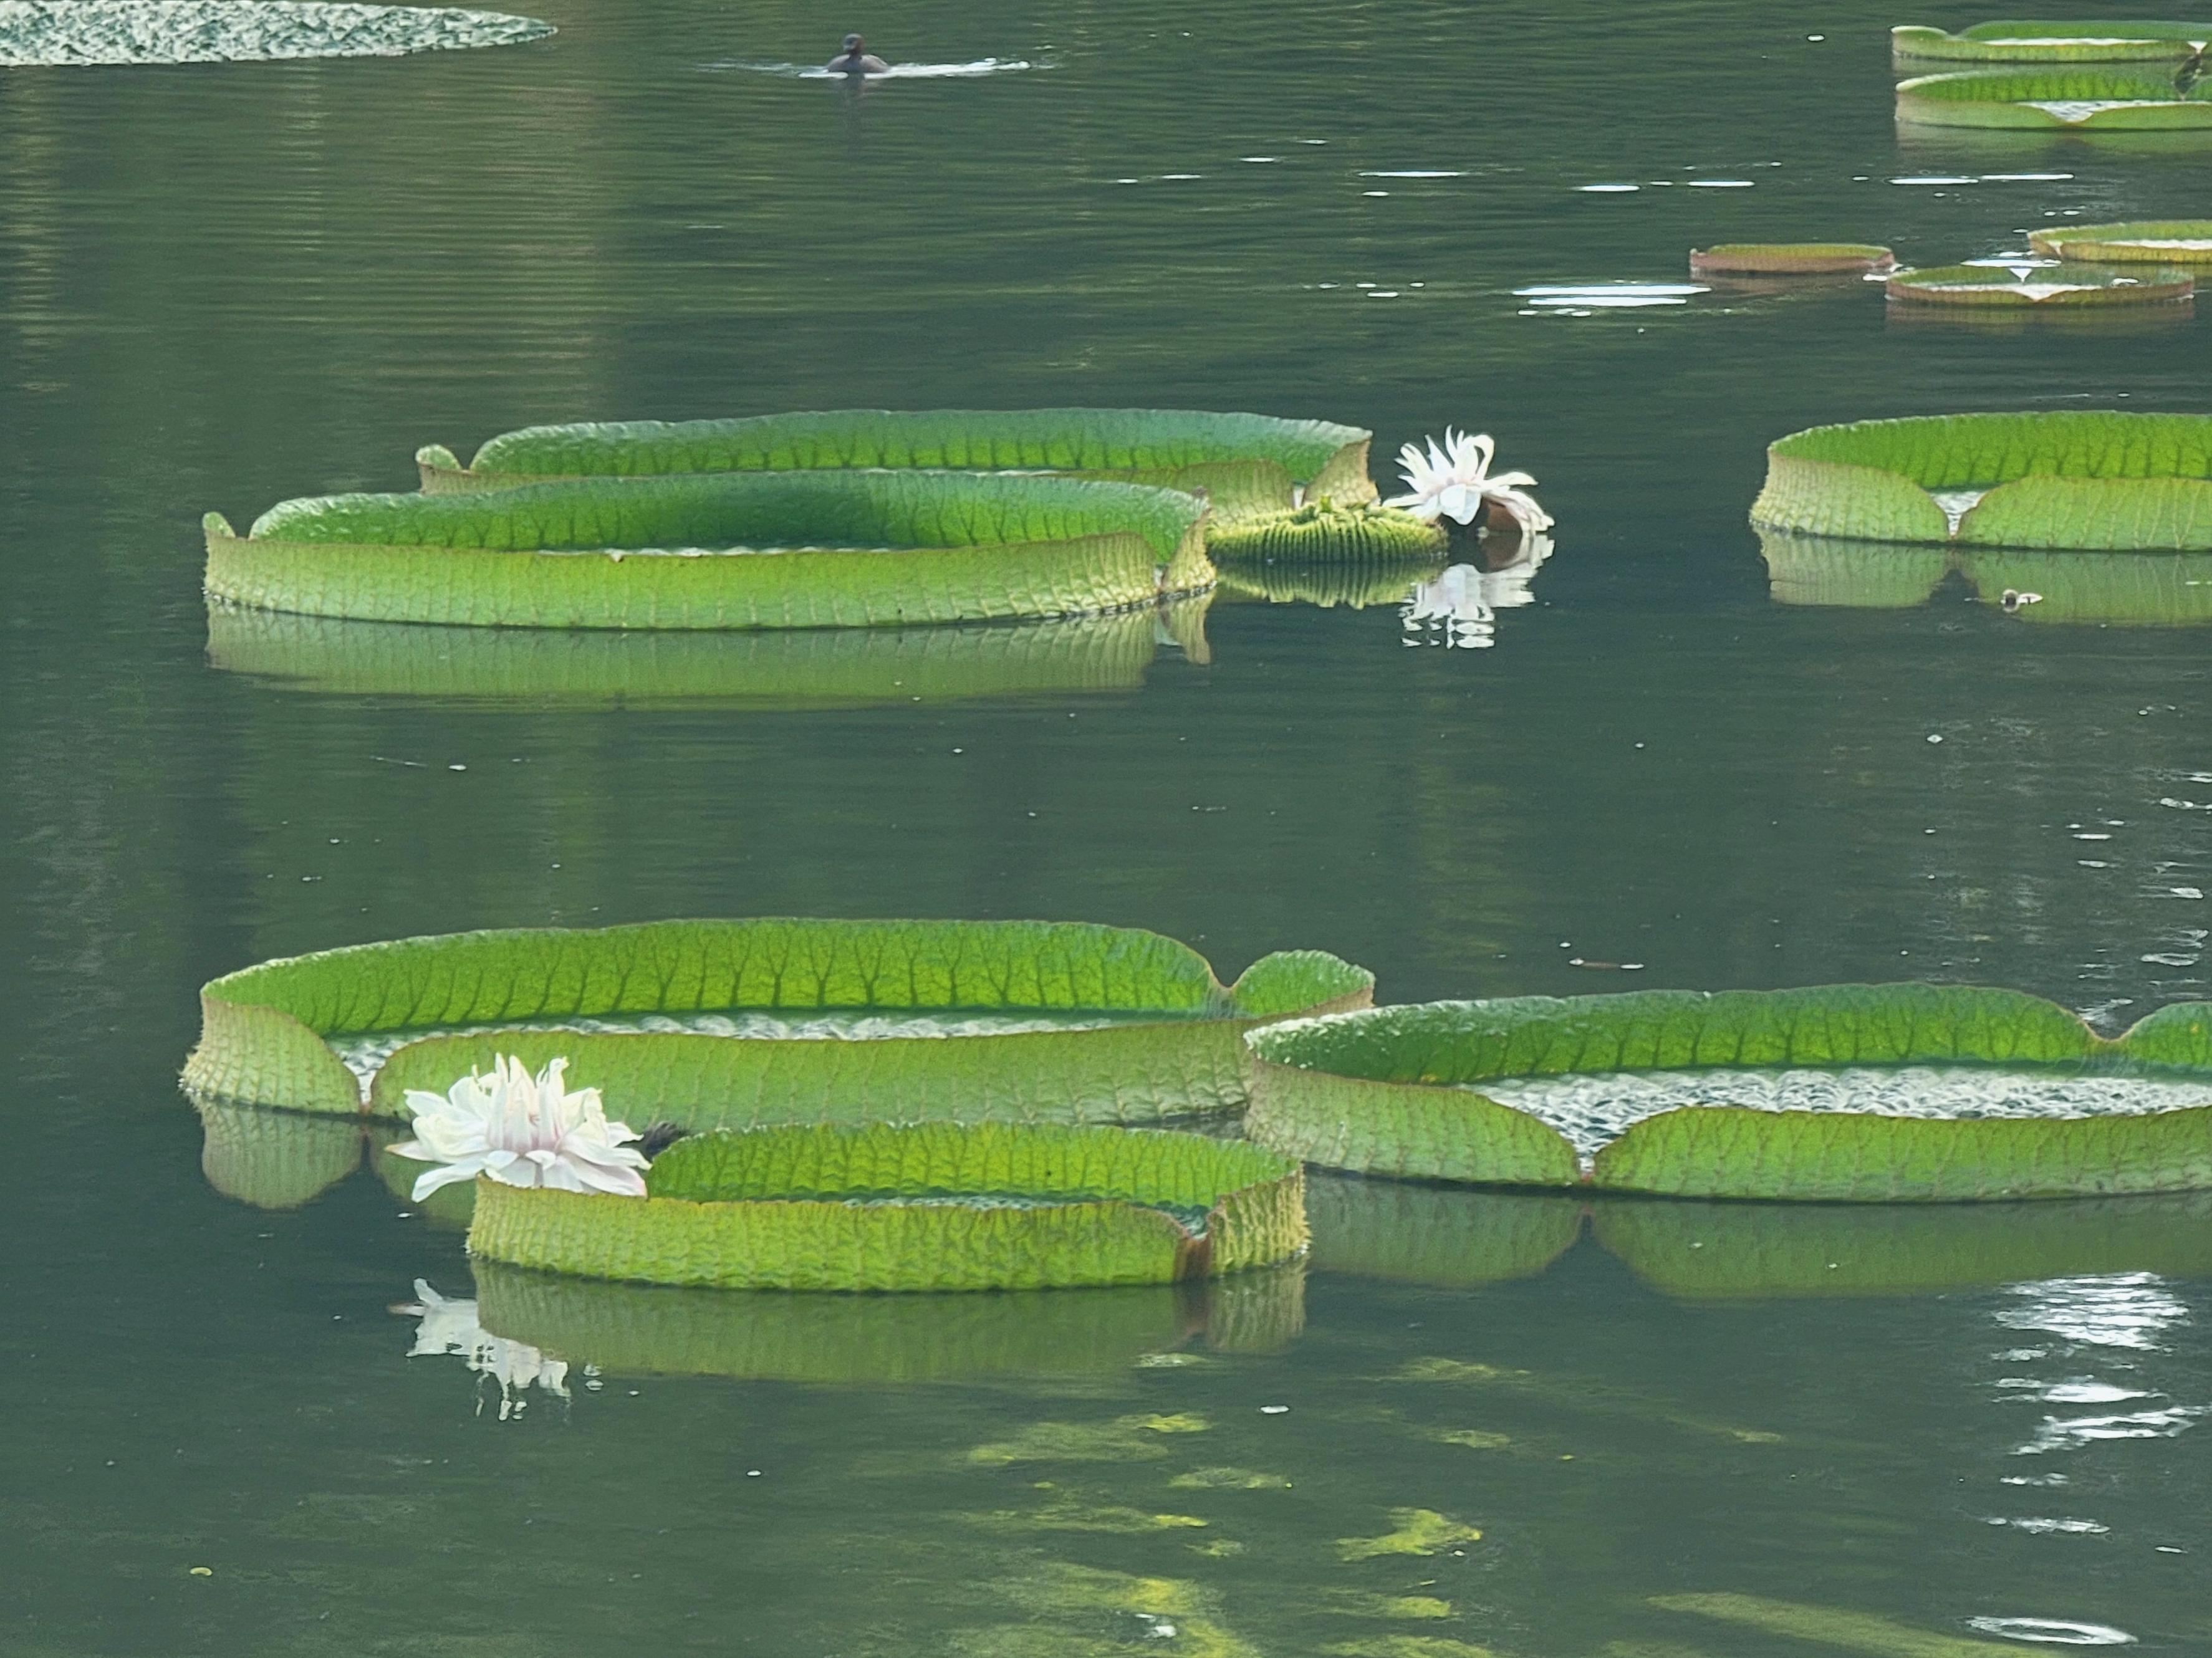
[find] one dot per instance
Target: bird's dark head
(854, 42)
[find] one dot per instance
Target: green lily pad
(2140, 241)
(736, 550)
(2039, 286)
(1790, 259)
(1845, 1093)
(1245, 462)
(2072, 100)
(2090, 40)
(912, 1207)
(84, 32)
(2090, 479)
(809, 668)
(1329, 532)
(1148, 1033)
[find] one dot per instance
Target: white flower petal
(446, 1174)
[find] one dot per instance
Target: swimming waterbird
(856, 59)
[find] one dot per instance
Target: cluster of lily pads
(857, 519)
(2082, 76)
(945, 1105)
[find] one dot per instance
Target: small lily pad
(1790, 259)
(2141, 241)
(2037, 284)
(2072, 100)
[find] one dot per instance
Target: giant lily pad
(58, 33)
(1325, 531)
(768, 1020)
(2075, 99)
(774, 550)
(2091, 40)
(2062, 479)
(1245, 462)
(813, 667)
(640, 1329)
(1851, 1093)
(2038, 286)
(1790, 259)
(2141, 241)
(914, 1206)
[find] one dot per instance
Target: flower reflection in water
(450, 1327)
(1457, 607)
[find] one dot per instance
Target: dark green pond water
(225, 286)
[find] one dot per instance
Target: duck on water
(856, 59)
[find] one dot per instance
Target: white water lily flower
(1454, 481)
(451, 1327)
(521, 1130)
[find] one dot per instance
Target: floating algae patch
(1828, 1626)
(1414, 1532)
(1082, 1611)
(1072, 1514)
(2053, 43)
(835, 549)
(804, 668)
(2094, 480)
(61, 33)
(2090, 100)
(1790, 259)
(1363, 1603)
(1840, 1093)
(1230, 1480)
(2038, 285)
(1471, 1439)
(1245, 463)
(271, 1034)
(1596, 1108)
(2154, 241)
(1141, 1438)
(1728, 1250)
(1406, 1646)
(772, 1208)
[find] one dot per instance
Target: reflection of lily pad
(1789, 259)
(1884, 1093)
(731, 550)
(2141, 241)
(816, 667)
(2072, 100)
(638, 1329)
(914, 1206)
(1433, 1234)
(1765, 1250)
(1826, 570)
(2087, 479)
(79, 32)
(2151, 590)
(2040, 287)
(1152, 1034)
(1353, 587)
(1245, 462)
(275, 1159)
(2081, 41)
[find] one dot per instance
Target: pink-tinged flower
(1454, 481)
(521, 1130)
